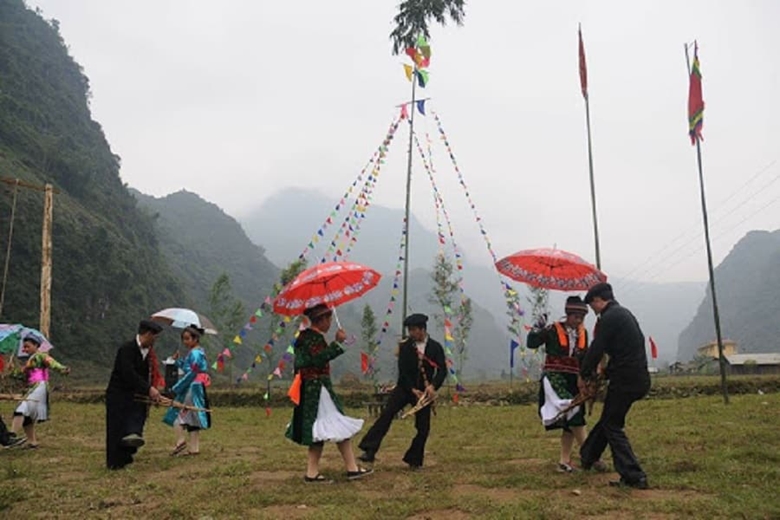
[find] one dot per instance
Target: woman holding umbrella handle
(318, 415)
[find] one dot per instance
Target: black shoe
(15, 442)
(360, 473)
(367, 456)
(132, 441)
(636, 484)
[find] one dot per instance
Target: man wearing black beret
(135, 374)
(422, 369)
(618, 335)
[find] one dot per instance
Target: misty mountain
(200, 242)
(748, 288)
(285, 222)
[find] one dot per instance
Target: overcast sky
(235, 100)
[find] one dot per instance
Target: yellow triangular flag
(237, 340)
(408, 69)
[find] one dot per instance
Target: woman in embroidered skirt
(565, 343)
(191, 391)
(318, 416)
(34, 408)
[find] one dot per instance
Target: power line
(671, 255)
(694, 227)
(698, 248)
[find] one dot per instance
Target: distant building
(753, 364)
(711, 349)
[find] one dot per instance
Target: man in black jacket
(422, 368)
(132, 376)
(618, 335)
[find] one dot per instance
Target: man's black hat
(416, 320)
(149, 326)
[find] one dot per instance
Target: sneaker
(15, 442)
(133, 441)
(360, 473)
(565, 467)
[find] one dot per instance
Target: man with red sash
(565, 344)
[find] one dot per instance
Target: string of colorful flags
(394, 291)
(352, 224)
(510, 294)
(441, 210)
(349, 227)
(508, 290)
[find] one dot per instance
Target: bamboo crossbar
(424, 401)
(165, 401)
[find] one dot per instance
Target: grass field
(703, 459)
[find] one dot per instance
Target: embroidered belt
(310, 373)
(565, 364)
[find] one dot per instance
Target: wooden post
(46, 247)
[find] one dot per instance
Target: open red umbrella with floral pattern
(330, 283)
(551, 269)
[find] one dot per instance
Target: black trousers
(5, 435)
(123, 417)
(609, 431)
(422, 421)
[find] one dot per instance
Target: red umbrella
(551, 269)
(331, 283)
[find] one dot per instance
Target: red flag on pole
(695, 99)
(583, 68)
(653, 348)
(363, 362)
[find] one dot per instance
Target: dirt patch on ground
(299, 511)
(615, 515)
(531, 463)
(667, 494)
(440, 514)
(496, 494)
(275, 476)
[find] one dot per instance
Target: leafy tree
(227, 311)
(444, 287)
(540, 304)
(540, 311)
(443, 295)
(369, 329)
(461, 334)
(414, 16)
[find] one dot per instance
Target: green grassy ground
(704, 460)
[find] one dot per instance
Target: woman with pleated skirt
(318, 416)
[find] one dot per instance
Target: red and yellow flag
(695, 100)
(583, 68)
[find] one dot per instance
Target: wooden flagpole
(584, 86)
(715, 312)
(408, 201)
